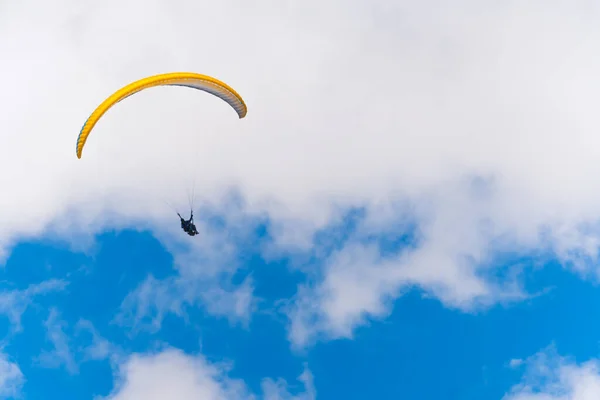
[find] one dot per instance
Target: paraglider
(186, 79)
(188, 225)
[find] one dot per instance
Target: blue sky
(69, 342)
(408, 210)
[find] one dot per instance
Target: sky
(409, 209)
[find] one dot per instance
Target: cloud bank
(477, 120)
(172, 374)
(550, 376)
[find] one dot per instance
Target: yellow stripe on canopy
(187, 79)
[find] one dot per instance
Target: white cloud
(11, 378)
(13, 303)
(173, 374)
(61, 353)
(279, 389)
(147, 305)
(552, 377)
(99, 348)
(70, 347)
(360, 102)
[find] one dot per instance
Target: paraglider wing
(187, 79)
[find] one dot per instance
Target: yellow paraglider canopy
(188, 79)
